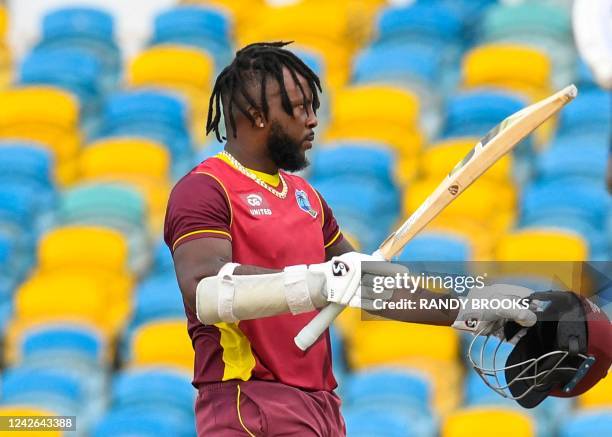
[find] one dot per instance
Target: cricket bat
(495, 144)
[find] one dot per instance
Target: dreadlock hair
(255, 63)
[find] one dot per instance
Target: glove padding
(487, 321)
(349, 279)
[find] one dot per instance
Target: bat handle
(317, 326)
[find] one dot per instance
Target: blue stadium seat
(573, 158)
(207, 28)
(159, 115)
(435, 246)
(72, 341)
(49, 389)
(360, 424)
(21, 160)
(589, 112)
(390, 389)
(157, 297)
(429, 25)
(363, 159)
(85, 28)
(474, 113)
(128, 424)
(398, 64)
(587, 423)
(584, 76)
(162, 259)
(587, 200)
(157, 390)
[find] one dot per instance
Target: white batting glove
(342, 278)
(487, 309)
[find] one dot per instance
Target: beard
(284, 151)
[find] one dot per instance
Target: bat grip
(317, 326)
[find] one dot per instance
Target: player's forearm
(420, 306)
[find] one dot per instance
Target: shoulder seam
(227, 197)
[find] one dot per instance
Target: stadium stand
(91, 142)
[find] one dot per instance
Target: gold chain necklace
(245, 171)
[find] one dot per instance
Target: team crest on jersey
(257, 204)
(302, 200)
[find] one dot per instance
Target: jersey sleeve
(198, 207)
(331, 230)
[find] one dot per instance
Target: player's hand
(489, 308)
(349, 279)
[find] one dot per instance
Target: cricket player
(257, 251)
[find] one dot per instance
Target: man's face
(290, 135)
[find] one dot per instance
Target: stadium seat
(127, 424)
(597, 422)
(57, 67)
(113, 205)
(599, 396)
(542, 245)
(437, 246)
(571, 158)
(162, 259)
(161, 343)
(539, 24)
(487, 203)
(157, 297)
(20, 410)
(360, 424)
(502, 65)
(439, 158)
(85, 28)
(480, 421)
(71, 298)
(207, 27)
(83, 247)
(588, 113)
(377, 113)
(158, 115)
(429, 26)
(160, 390)
(332, 160)
(99, 159)
(474, 113)
(98, 163)
(46, 115)
(49, 390)
(26, 162)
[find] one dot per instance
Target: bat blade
(495, 144)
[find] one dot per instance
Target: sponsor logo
(339, 268)
(302, 200)
(257, 204)
(453, 189)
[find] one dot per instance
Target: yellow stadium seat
(599, 396)
(39, 104)
(86, 247)
(440, 158)
(487, 421)
(484, 202)
(542, 244)
(67, 297)
(3, 22)
(481, 237)
(171, 65)
(139, 157)
(5, 66)
(162, 343)
(23, 410)
(47, 115)
(374, 343)
(504, 65)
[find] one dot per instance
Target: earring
(261, 125)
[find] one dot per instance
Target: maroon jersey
(216, 200)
